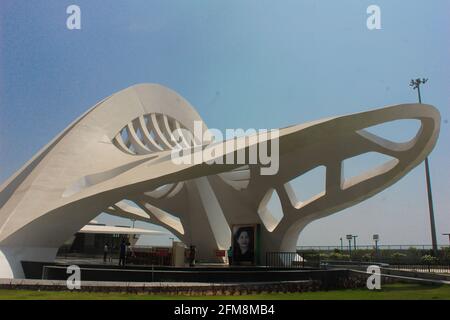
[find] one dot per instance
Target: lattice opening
(307, 187)
(270, 210)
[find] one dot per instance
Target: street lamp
(342, 245)
(376, 238)
(354, 241)
(349, 238)
(415, 84)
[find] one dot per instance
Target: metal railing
(432, 268)
(371, 247)
(285, 260)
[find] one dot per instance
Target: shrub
(398, 255)
(446, 253)
(367, 257)
(324, 256)
(413, 252)
(428, 259)
(338, 256)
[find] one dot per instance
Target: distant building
(92, 238)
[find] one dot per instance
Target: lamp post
(354, 241)
(349, 238)
(376, 238)
(415, 84)
(342, 245)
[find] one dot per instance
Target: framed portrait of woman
(244, 244)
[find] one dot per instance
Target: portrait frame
(249, 232)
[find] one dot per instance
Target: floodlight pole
(354, 241)
(349, 238)
(415, 84)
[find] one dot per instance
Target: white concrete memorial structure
(117, 158)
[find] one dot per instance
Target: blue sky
(277, 62)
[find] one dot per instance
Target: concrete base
(11, 259)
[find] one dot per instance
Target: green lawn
(388, 292)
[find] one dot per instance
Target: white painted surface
(88, 169)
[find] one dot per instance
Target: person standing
(122, 253)
(192, 256)
(230, 256)
(105, 253)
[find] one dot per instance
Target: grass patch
(388, 292)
